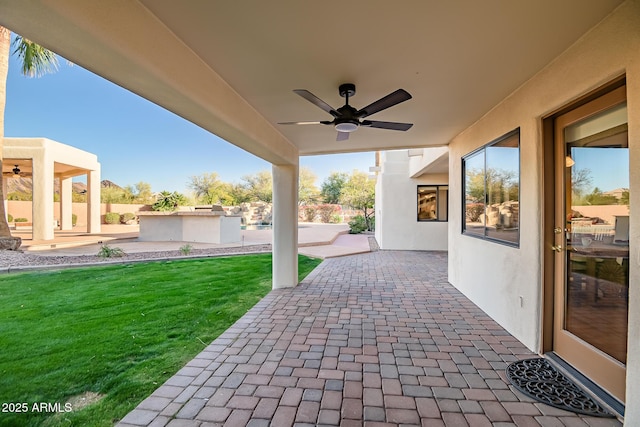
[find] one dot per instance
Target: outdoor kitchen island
(201, 226)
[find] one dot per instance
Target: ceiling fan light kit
(347, 126)
(347, 119)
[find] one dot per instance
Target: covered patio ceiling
(231, 66)
(26, 168)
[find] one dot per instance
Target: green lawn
(118, 331)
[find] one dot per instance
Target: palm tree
(36, 61)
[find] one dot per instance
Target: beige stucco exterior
(498, 277)
(45, 160)
(397, 226)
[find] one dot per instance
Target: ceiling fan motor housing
(347, 90)
(347, 119)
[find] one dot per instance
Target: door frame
(548, 209)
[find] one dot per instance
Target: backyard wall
(506, 282)
(22, 209)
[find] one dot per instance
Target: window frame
(483, 150)
(438, 188)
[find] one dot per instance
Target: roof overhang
(230, 67)
(67, 161)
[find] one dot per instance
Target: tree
(307, 190)
(500, 186)
(597, 197)
(143, 193)
(332, 187)
(474, 185)
(210, 189)
(114, 195)
(359, 193)
(580, 182)
(238, 193)
(36, 61)
(259, 186)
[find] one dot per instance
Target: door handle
(557, 248)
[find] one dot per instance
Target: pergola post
(4, 193)
(93, 201)
(66, 206)
(285, 226)
(42, 205)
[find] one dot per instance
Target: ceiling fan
(347, 119)
(15, 173)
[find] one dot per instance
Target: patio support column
(285, 226)
(42, 205)
(93, 201)
(4, 194)
(66, 206)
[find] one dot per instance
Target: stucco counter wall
(201, 227)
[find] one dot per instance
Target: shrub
(357, 225)
(112, 218)
(9, 218)
(20, 220)
(109, 252)
(74, 220)
(335, 219)
(309, 213)
(19, 195)
(474, 210)
(186, 249)
(126, 217)
(326, 212)
(168, 201)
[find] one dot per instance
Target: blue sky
(134, 139)
(606, 166)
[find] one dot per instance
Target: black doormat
(538, 379)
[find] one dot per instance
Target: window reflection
(492, 190)
(474, 193)
(597, 207)
(432, 202)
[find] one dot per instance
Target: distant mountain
(20, 185)
(105, 183)
(23, 185)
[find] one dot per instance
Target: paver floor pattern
(377, 339)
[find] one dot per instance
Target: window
(492, 190)
(432, 202)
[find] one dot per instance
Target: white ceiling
(457, 58)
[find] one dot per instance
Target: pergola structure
(45, 160)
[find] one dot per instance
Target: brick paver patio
(378, 339)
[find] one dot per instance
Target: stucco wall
(200, 227)
(23, 209)
(495, 276)
(396, 208)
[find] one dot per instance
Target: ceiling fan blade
(342, 136)
(386, 125)
(390, 100)
(317, 102)
(323, 122)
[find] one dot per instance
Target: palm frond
(36, 60)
